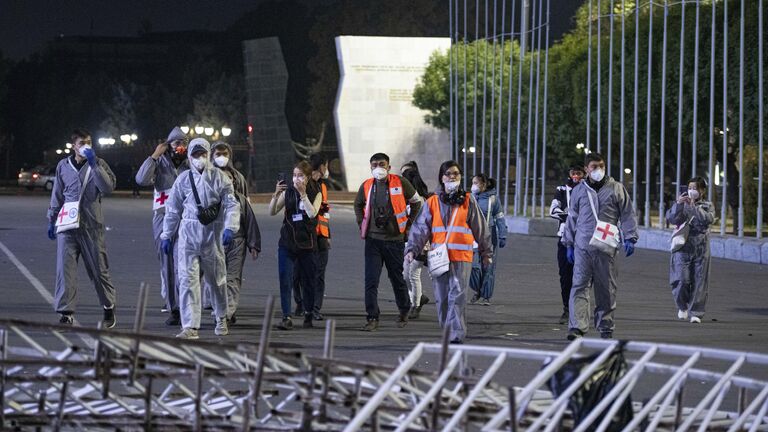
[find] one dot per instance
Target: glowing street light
(134, 137)
(59, 151)
(125, 138)
(208, 131)
(199, 129)
(627, 171)
(66, 151)
(185, 129)
(68, 145)
(106, 141)
(225, 131)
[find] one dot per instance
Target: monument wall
(374, 112)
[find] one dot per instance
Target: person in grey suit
(160, 170)
(81, 180)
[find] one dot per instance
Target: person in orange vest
(451, 217)
(380, 207)
(320, 175)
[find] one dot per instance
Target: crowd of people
(204, 228)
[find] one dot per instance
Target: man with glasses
(381, 210)
(76, 223)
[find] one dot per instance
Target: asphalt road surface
(525, 310)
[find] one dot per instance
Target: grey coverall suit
(613, 205)
(161, 174)
(87, 240)
(689, 266)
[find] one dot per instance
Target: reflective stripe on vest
(323, 222)
(397, 200)
(460, 241)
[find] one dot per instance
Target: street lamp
(66, 151)
(68, 145)
(208, 131)
(59, 151)
(225, 131)
(125, 138)
(185, 129)
(199, 129)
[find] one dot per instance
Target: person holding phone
(689, 266)
(297, 247)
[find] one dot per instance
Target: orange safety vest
(323, 222)
(396, 198)
(460, 241)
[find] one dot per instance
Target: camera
(381, 218)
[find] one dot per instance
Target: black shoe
(414, 313)
(299, 311)
(402, 320)
(317, 316)
(109, 318)
(67, 319)
(232, 319)
(308, 321)
(286, 324)
(456, 342)
(475, 298)
(574, 334)
(371, 325)
(422, 301)
(175, 319)
(564, 318)
(606, 335)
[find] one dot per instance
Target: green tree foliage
(567, 85)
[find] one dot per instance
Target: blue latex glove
(91, 156)
(629, 247)
(52, 231)
(502, 242)
(569, 255)
(227, 237)
(167, 246)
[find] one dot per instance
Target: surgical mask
(597, 175)
(82, 149)
(327, 174)
(199, 163)
(451, 186)
(475, 189)
(693, 194)
(221, 161)
(379, 173)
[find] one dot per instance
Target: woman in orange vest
(451, 217)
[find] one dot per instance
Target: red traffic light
(250, 128)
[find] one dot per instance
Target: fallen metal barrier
(63, 378)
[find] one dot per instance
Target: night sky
(26, 25)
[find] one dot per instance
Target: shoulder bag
(606, 236)
(69, 215)
(437, 259)
(204, 215)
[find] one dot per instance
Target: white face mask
(475, 189)
(379, 173)
(327, 174)
(200, 162)
(693, 193)
(82, 149)
(221, 161)
(451, 186)
(597, 174)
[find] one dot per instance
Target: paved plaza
(525, 310)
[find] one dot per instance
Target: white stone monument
(374, 112)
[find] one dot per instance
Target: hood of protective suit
(220, 144)
(487, 193)
(198, 144)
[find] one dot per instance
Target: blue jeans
(305, 263)
(483, 280)
(380, 253)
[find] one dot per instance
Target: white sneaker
(682, 314)
(222, 329)
(695, 319)
(188, 333)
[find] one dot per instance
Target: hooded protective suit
(199, 247)
(87, 240)
(613, 205)
(247, 238)
(161, 174)
(689, 266)
(483, 280)
(451, 287)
